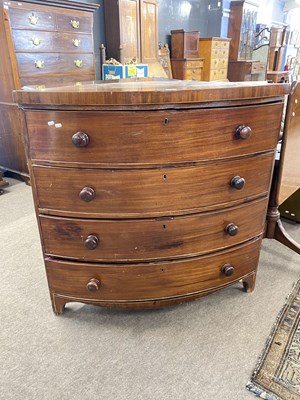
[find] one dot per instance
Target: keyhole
(165, 176)
(165, 226)
(166, 121)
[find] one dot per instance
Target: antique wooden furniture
(241, 30)
(150, 193)
(41, 42)
(215, 52)
(278, 76)
(188, 69)
(286, 177)
(131, 30)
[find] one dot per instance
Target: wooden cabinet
(131, 30)
(215, 52)
(41, 42)
(187, 69)
(184, 44)
(150, 193)
(241, 30)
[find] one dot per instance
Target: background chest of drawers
(41, 43)
(150, 193)
(215, 52)
(188, 69)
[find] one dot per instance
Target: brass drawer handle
(91, 242)
(74, 23)
(87, 194)
(76, 42)
(232, 229)
(36, 41)
(33, 19)
(227, 269)
(237, 182)
(39, 64)
(93, 285)
(80, 139)
(78, 63)
(243, 132)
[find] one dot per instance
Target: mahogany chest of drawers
(150, 193)
(187, 69)
(41, 43)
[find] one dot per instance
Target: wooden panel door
(149, 31)
(130, 29)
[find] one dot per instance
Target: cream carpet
(203, 350)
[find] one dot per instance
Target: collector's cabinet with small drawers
(41, 43)
(150, 193)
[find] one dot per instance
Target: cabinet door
(130, 29)
(149, 31)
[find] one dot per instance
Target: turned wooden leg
(58, 304)
(249, 283)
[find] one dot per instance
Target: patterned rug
(277, 375)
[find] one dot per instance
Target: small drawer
(258, 67)
(54, 63)
(75, 22)
(219, 63)
(134, 282)
(219, 53)
(194, 64)
(151, 192)
(151, 239)
(218, 74)
(144, 136)
(29, 18)
(42, 81)
(193, 74)
(29, 40)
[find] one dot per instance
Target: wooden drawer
(151, 239)
(43, 80)
(54, 63)
(218, 74)
(219, 53)
(152, 137)
(75, 22)
(117, 193)
(193, 74)
(193, 64)
(220, 44)
(29, 18)
(29, 40)
(219, 63)
(134, 282)
(258, 67)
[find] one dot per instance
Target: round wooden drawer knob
(237, 182)
(80, 139)
(93, 285)
(243, 132)
(91, 242)
(87, 194)
(232, 229)
(227, 269)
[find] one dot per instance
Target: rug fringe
(261, 393)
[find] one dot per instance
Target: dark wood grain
(151, 239)
(138, 282)
(151, 192)
(145, 138)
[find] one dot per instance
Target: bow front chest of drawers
(150, 193)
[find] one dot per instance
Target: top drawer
(150, 137)
(74, 22)
(25, 18)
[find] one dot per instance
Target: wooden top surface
(147, 91)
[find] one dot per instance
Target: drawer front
(52, 41)
(218, 74)
(219, 63)
(151, 281)
(51, 80)
(150, 192)
(220, 44)
(193, 74)
(74, 22)
(194, 64)
(219, 53)
(151, 239)
(46, 63)
(258, 68)
(27, 18)
(158, 137)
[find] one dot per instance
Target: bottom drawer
(148, 281)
